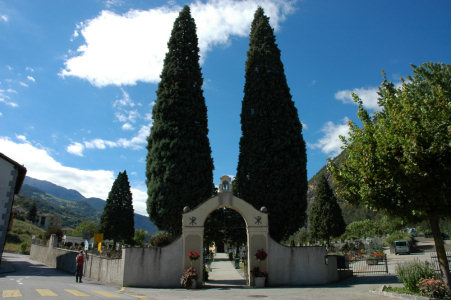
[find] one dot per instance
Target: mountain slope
(72, 206)
(54, 189)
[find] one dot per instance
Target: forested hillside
(72, 206)
(350, 213)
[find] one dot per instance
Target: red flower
(261, 254)
(193, 255)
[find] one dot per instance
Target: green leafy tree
(399, 162)
(179, 165)
(272, 161)
(140, 237)
(325, 217)
(86, 226)
(117, 221)
(32, 213)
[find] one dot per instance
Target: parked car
(402, 247)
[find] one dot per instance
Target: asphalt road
(31, 280)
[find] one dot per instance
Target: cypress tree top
(272, 162)
(179, 164)
(117, 221)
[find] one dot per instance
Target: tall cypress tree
(32, 213)
(325, 218)
(272, 161)
(117, 221)
(179, 165)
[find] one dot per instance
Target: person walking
(79, 260)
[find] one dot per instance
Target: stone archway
(193, 227)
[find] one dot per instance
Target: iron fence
(364, 265)
(435, 263)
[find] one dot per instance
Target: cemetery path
(223, 273)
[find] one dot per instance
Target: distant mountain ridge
(53, 189)
(73, 203)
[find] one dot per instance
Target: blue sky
(78, 78)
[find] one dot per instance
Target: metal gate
(361, 265)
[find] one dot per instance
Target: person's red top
(79, 259)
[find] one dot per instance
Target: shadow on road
(28, 268)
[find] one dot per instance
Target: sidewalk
(223, 273)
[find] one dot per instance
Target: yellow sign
(98, 237)
(99, 248)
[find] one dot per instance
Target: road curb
(401, 296)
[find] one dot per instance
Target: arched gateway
(193, 226)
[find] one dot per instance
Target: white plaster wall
(104, 269)
(96, 268)
(154, 267)
(297, 266)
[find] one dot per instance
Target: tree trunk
(440, 249)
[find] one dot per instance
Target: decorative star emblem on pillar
(258, 220)
(192, 221)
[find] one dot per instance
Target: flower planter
(259, 282)
(193, 283)
(372, 261)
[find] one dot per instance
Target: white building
(12, 175)
(48, 221)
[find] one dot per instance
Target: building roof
(22, 171)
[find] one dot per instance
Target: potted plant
(259, 277)
(379, 255)
(372, 260)
(188, 279)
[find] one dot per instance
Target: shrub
(375, 246)
(397, 235)
(160, 239)
(24, 248)
(431, 287)
(411, 273)
(362, 229)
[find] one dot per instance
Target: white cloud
(367, 95)
(124, 112)
(127, 126)
(112, 3)
(40, 165)
(1, 114)
(31, 78)
(21, 138)
(29, 69)
(75, 148)
(4, 98)
(4, 18)
(139, 200)
(125, 49)
(23, 84)
(330, 143)
(90, 183)
(137, 142)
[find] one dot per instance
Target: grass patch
(21, 232)
(400, 290)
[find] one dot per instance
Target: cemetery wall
(154, 267)
(149, 267)
(297, 266)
